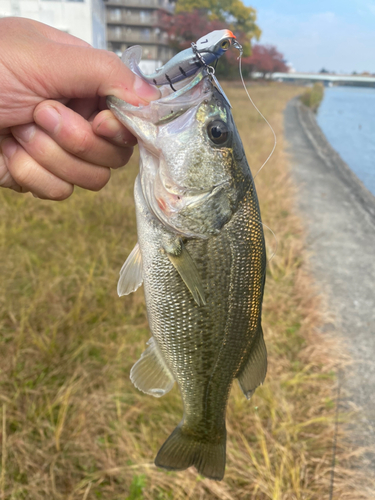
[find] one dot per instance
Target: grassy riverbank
(313, 96)
(76, 428)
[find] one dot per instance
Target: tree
(187, 27)
(233, 13)
(265, 59)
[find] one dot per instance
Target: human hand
(54, 129)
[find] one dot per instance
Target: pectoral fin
(131, 273)
(150, 374)
(254, 371)
(188, 271)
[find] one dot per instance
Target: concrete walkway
(340, 222)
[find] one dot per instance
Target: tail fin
(182, 450)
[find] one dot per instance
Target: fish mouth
(170, 106)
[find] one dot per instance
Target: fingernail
(109, 127)
(24, 132)
(145, 91)
(8, 148)
(49, 119)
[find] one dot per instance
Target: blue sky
(312, 34)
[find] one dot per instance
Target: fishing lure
(205, 52)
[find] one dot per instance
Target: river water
(347, 118)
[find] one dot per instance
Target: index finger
(75, 135)
(81, 72)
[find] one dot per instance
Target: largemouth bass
(201, 257)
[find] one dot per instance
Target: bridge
(326, 79)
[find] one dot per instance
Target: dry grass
(75, 428)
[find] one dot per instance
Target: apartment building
(84, 19)
(138, 22)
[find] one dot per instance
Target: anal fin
(131, 273)
(254, 371)
(150, 374)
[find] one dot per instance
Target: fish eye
(217, 131)
(225, 44)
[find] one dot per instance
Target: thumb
(82, 72)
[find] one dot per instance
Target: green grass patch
(313, 96)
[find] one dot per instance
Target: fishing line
(274, 237)
(264, 118)
(211, 72)
(273, 149)
(276, 242)
(273, 234)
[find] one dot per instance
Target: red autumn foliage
(188, 27)
(265, 59)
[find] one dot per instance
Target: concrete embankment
(340, 221)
